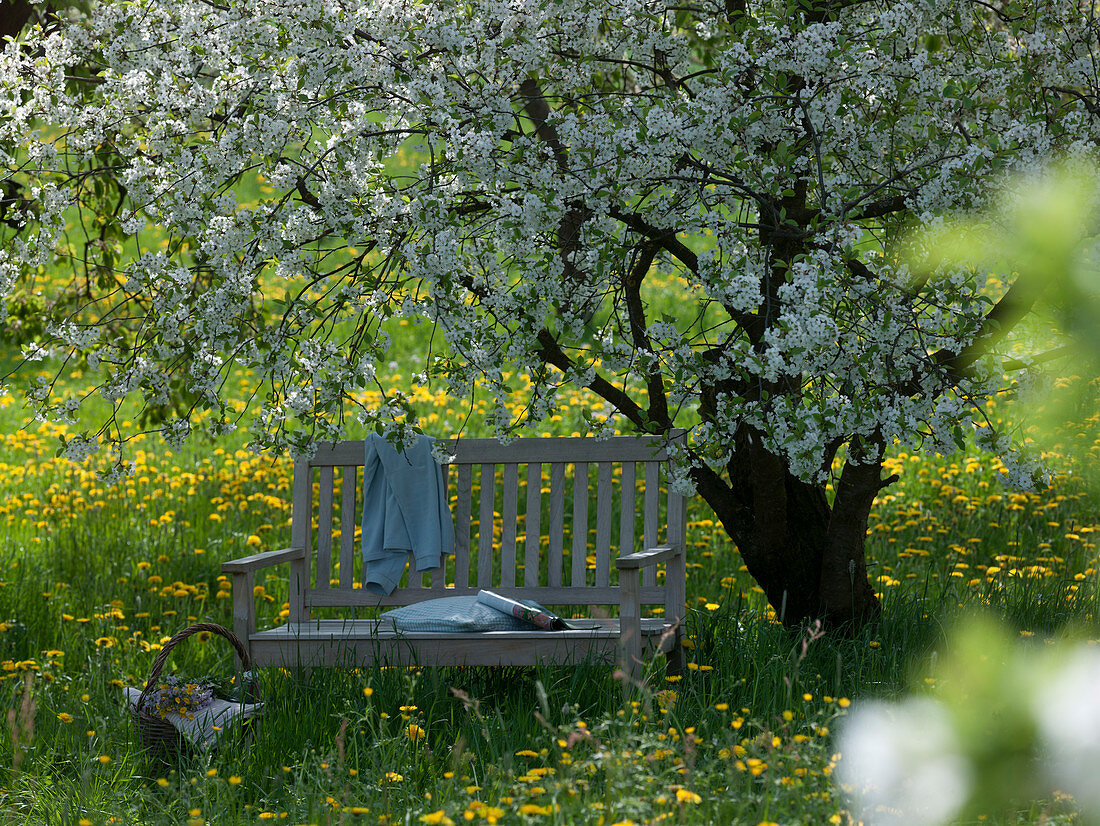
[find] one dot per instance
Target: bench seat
(583, 525)
(335, 642)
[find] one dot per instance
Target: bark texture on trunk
(14, 15)
(806, 554)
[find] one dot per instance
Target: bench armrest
(266, 559)
(650, 556)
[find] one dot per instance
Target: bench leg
(244, 609)
(676, 609)
(630, 628)
(675, 659)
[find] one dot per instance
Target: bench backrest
(502, 498)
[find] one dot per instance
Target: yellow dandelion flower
(685, 796)
(535, 809)
(439, 817)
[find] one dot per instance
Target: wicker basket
(160, 739)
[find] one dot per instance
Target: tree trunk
(808, 556)
(14, 15)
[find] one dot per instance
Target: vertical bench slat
(650, 516)
(300, 528)
(485, 527)
(580, 522)
(348, 484)
(556, 530)
(508, 517)
(603, 523)
(626, 510)
(463, 490)
(675, 578)
(439, 575)
(677, 532)
(324, 529)
(532, 525)
(658, 514)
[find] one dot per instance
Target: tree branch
(893, 179)
(1042, 358)
(14, 15)
(632, 284)
(666, 239)
(550, 352)
(534, 103)
(1006, 314)
(881, 207)
(1091, 105)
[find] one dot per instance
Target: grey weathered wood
(463, 489)
(324, 528)
(490, 451)
(508, 517)
(485, 527)
(244, 610)
(603, 523)
(556, 530)
(301, 524)
(564, 595)
(650, 514)
(675, 606)
(532, 528)
(630, 637)
(348, 480)
(647, 557)
(627, 513)
(630, 642)
(580, 524)
(262, 560)
(351, 643)
(439, 575)
(676, 574)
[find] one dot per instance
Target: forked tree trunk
(808, 556)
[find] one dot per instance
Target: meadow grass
(94, 579)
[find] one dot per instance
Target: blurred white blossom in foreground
(1010, 721)
(1067, 708)
(903, 763)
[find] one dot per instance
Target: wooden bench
(619, 546)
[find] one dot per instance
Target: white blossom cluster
(917, 761)
(556, 145)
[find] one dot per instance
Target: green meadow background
(95, 578)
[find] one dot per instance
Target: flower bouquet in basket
(174, 713)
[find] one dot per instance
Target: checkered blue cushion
(448, 614)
